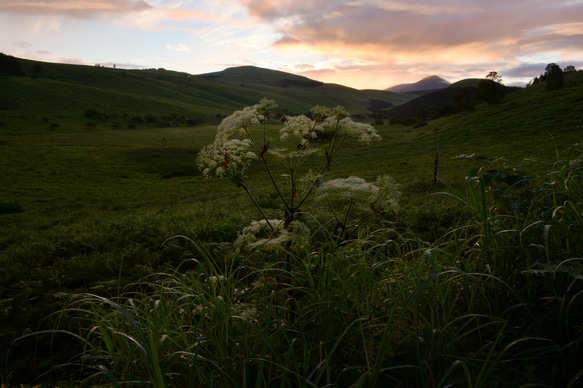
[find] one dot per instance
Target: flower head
(232, 150)
(381, 195)
(222, 159)
(240, 120)
(345, 126)
(301, 128)
(259, 235)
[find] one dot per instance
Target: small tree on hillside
(494, 76)
(554, 76)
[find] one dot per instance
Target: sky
(364, 44)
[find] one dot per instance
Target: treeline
(553, 76)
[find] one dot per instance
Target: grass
(58, 94)
(475, 282)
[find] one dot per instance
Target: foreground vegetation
(118, 266)
(495, 301)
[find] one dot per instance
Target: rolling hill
(37, 95)
(439, 102)
(427, 84)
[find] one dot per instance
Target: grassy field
(478, 287)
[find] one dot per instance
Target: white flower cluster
(228, 153)
(301, 128)
(258, 235)
(388, 194)
(381, 195)
(326, 120)
(365, 133)
(226, 158)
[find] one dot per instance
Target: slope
(529, 123)
(432, 82)
(440, 102)
(49, 95)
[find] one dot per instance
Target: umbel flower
(258, 235)
(233, 149)
(356, 192)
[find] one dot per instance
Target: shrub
(93, 114)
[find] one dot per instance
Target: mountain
(34, 95)
(430, 83)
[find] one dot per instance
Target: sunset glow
(357, 43)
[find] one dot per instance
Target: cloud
(74, 8)
(454, 31)
(21, 44)
(178, 47)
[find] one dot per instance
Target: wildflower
(319, 113)
(347, 127)
(300, 127)
(242, 119)
(232, 153)
(384, 193)
(338, 122)
(388, 193)
(223, 159)
(352, 188)
(259, 236)
(257, 230)
(292, 160)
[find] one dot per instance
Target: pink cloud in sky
(421, 33)
(359, 43)
(81, 9)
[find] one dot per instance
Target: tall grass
(496, 301)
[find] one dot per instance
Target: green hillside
(440, 102)
(41, 95)
(528, 114)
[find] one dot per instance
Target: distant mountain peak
(432, 82)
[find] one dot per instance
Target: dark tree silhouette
(494, 76)
(554, 76)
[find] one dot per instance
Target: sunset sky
(358, 43)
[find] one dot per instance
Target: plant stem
(256, 205)
(268, 170)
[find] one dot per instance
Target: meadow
(117, 262)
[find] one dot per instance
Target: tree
(493, 76)
(554, 76)
(569, 69)
(490, 92)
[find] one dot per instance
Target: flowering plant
(235, 147)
